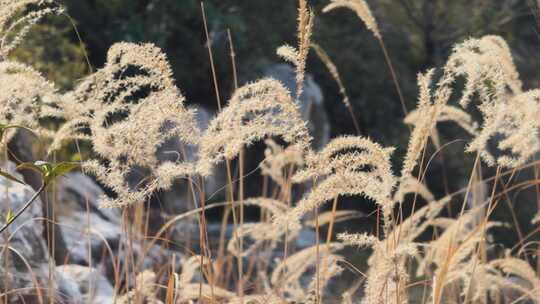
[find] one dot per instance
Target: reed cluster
(130, 110)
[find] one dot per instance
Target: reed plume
(297, 56)
(361, 8)
(188, 289)
(387, 276)
(296, 266)
(260, 232)
(411, 185)
(346, 166)
(26, 97)
(489, 72)
(424, 119)
(146, 289)
(256, 111)
(515, 122)
(277, 159)
(17, 18)
(488, 68)
(454, 251)
(305, 29)
(131, 109)
(143, 138)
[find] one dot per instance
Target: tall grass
(131, 107)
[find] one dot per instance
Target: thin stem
(332, 69)
(354, 120)
(536, 170)
(329, 235)
(233, 209)
(331, 224)
(221, 245)
(317, 241)
(286, 195)
(439, 280)
(205, 248)
(209, 47)
(32, 199)
(241, 240)
(81, 43)
(233, 59)
(394, 77)
(218, 100)
(508, 202)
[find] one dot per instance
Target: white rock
(24, 237)
(92, 286)
(82, 221)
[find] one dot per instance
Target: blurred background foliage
(419, 34)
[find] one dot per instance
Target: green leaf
(11, 177)
(63, 168)
(76, 157)
(45, 167)
(10, 216)
(49, 171)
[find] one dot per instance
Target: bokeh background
(419, 34)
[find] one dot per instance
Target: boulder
(82, 284)
(87, 226)
(23, 253)
(82, 222)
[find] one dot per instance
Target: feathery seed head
(25, 98)
(348, 165)
(361, 8)
(255, 111)
(14, 26)
(133, 113)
